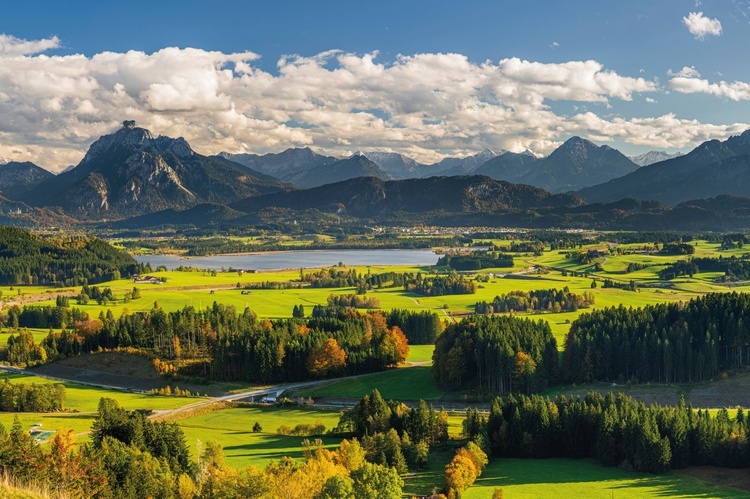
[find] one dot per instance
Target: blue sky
(656, 82)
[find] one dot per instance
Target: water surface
(278, 260)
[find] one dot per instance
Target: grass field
(232, 428)
(82, 402)
(528, 478)
(420, 353)
(405, 383)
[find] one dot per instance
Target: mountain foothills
(132, 179)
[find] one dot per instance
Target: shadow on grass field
(528, 478)
(405, 383)
(232, 428)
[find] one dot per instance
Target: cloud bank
(423, 105)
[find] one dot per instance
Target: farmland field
(199, 288)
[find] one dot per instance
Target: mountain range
(576, 164)
(16, 179)
(131, 178)
(713, 168)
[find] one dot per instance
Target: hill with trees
(26, 258)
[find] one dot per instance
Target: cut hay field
(531, 478)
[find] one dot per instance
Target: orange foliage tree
(327, 358)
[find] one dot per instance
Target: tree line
(438, 285)
(734, 269)
(476, 260)
(615, 430)
(543, 300)
(23, 397)
(220, 343)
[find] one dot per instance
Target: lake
(295, 259)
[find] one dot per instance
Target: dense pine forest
(615, 430)
(497, 353)
(220, 343)
(673, 343)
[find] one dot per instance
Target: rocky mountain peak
(133, 139)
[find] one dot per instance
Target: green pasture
(82, 398)
(278, 303)
(420, 353)
(81, 404)
(534, 478)
(232, 428)
(201, 289)
(404, 383)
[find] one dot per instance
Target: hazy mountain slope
(281, 164)
(680, 179)
(355, 166)
(578, 163)
(652, 157)
(18, 178)
(509, 166)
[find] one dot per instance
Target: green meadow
(232, 428)
(81, 404)
(404, 383)
(534, 478)
(420, 353)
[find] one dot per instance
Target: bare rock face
(131, 172)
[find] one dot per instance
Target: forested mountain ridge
(369, 196)
(26, 258)
(453, 202)
(130, 172)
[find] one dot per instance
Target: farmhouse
(148, 279)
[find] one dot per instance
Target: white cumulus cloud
(700, 26)
(685, 72)
(736, 91)
(423, 105)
